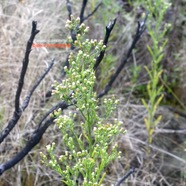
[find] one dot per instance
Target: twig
(89, 15)
(131, 171)
(109, 28)
(47, 95)
(27, 99)
(81, 16)
(140, 29)
(170, 131)
(69, 9)
(25, 65)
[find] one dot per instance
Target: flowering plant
(89, 145)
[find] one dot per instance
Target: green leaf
(158, 120)
(147, 123)
(144, 103)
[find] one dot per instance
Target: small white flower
(77, 19)
(48, 147)
(86, 29)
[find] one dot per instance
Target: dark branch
(140, 29)
(35, 139)
(105, 41)
(131, 171)
(11, 124)
(69, 8)
(25, 65)
(42, 103)
(27, 99)
(32, 142)
(89, 15)
(47, 95)
(81, 16)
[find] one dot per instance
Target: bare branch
(131, 171)
(69, 8)
(25, 65)
(107, 35)
(81, 16)
(140, 29)
(27, 99)
(89, 15)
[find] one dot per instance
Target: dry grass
(166, 163)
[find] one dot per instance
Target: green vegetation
(91, 149)
(157, 31)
